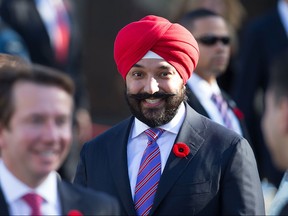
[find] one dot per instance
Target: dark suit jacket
(262, 41)
(24, 18)
(218, 177)
(73, 197)
(193, 101)
(284, 210)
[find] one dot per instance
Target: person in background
(275, 127)
(11, 43)
(50, 31)
(204, 94)
(36, 107)
(234, 13)
(262, 40)
(166, 159)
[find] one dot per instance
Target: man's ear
(1, 135)
(284, 111)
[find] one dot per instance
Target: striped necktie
(223, 109)
(149, 173)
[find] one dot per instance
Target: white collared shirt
(283, 12)
(14, 189)
(281, 197)
(48, 14)
(203, 91)
(137, 143)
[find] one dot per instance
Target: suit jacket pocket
(192, 188)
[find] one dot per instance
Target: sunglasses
(211, 40)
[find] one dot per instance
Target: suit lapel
(117, 147)
(68, 198)
(175, 166)
(3, 204)
(195, 103)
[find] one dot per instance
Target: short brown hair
(11, 74)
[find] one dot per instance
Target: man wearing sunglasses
(204, 94)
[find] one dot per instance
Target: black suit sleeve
(241, 182)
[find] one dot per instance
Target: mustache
(156, 95)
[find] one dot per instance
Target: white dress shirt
(281, 197)
(48, 14)
(203, 91)
(283, 12)
(137, 143)
(14, 190)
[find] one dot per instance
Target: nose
(50, 132)
(151, 85)
(221, 46)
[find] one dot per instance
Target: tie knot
(217, 98)
(154, 133)
(34, 201)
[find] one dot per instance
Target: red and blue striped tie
(149, 173)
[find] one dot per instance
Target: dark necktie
(149, 173)
(34, 201)
(223, 109)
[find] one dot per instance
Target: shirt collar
(48, 189)
(173, 126)
(201, 87)
(283, 12)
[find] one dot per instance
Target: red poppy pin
(181, 149)
(74, 213)
(239, 114)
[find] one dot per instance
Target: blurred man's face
(39, 134)
(154, 91)
(213, 39)
(274, 125)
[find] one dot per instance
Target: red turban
(174, 43)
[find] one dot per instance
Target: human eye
(137, 74)
(165, 74)
(62, 120)
(36, 120)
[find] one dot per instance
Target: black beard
(155, 117)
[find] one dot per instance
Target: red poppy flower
(181, 149)
(239, 114)
(74, 213)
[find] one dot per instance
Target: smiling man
(36, 106)
(166, 159)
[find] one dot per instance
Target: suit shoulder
(87, 201)
(114, 131)
(219, 131)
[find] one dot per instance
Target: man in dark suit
(36, 106)
(50, 31)
(10, 42)
(212, 34)
(262, 41)
(197, 166)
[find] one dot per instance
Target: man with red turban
(166, 159)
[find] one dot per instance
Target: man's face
(154, 91)
(39, 133)
(274, 125)
(214, 54)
